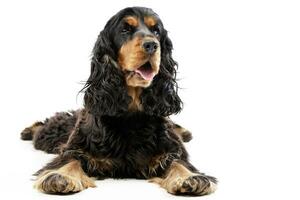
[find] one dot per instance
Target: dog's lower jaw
(134, 80)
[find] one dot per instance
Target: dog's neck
(134, 93)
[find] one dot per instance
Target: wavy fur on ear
(161, 98)
(105, 92)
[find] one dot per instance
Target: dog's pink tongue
(146, 73)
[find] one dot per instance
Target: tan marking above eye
(150, 21)
(132, 21)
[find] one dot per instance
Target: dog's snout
(150, 47)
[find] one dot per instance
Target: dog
(124, 130)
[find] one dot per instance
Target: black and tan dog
(124, 130)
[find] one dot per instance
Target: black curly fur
(108, 138)
(55, 132)
(106, 128)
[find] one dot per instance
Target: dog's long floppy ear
(161, 98)
(105, 92)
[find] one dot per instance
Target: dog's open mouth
(145, 71)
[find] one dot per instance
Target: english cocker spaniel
(123, 131)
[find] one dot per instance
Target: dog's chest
(136, 147)
(134, 137)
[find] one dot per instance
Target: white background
(239, 69)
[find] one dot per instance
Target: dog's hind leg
(184, 134)
(53, 132)
(67, 176)
(29, 132)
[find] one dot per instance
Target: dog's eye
(155, 31)
(127, 29)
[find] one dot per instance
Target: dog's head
(133, 51)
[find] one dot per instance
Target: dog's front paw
(195, 185)
(59, 183)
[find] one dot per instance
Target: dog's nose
(150, 47)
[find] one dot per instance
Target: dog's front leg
(68, 178)
(179, 180)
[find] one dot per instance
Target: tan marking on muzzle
(131, 54)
